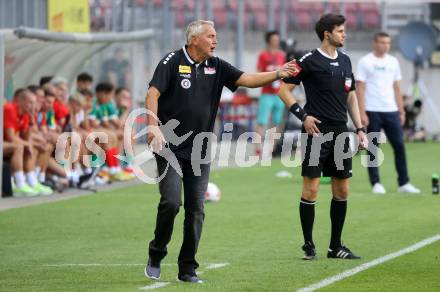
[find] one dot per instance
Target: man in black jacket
(186, 86)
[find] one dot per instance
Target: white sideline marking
(155, 286)
(363, 267)
(208, 265)
(216, 266)
(100, 265)
(92, 265)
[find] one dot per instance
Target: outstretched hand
(289, 69)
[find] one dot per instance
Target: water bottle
(435, 187)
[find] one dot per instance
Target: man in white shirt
(380, 101)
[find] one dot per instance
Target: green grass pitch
(255, 228)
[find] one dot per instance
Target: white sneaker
(99, 181)
(378, 188)
(408, 188)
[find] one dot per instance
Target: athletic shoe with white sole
(24, 191)
(99, 181)
(408, 188)
(309, 251)
(341, 252)
(42, 189)
(87, 181)
(152, 271)
(378, 188)
(189, 278)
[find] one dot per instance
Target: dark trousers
(390, 123)
(170, 188)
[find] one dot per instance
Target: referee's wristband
(298, 111)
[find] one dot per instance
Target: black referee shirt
(327, 83)
(190, 93)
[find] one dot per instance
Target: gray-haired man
(187, 86)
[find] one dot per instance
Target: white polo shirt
(379, 75)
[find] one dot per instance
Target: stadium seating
(300, 15)
(220, 18)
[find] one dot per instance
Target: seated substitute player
(48, 106)
(328, 80)
(123, 103)
(106, 113)
(60, 108)
(84, 81)
(37, 135)
(16, 127)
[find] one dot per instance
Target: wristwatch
(361, 129)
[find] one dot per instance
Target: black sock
(338, 210)
(307, 215)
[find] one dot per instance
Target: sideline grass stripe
(363, 267)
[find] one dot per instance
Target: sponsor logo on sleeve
(348, 83)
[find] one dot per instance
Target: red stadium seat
(219, 5)
(300, 7)
(261, 19)
(351, 20)
(276, 4)
(303, 20)
(232, 5)
(334, 7)
(189, 5)
(256, 5)
(180, 18)
(178, 5)
(318, 8)
(368, 7)
(220, 18)
(371, 19)
(352, 7)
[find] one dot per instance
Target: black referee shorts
(326, 158)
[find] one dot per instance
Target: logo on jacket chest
(184, 69)
(209, 70)
(185, 83)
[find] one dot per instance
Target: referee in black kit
(186, 86)
(329, 84)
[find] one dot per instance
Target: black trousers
(390, 123)
(170, 188)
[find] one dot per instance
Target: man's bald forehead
(26, 95)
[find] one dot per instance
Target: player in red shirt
(270, 105)
(12, 149)
(61, 110)
(16, 127)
